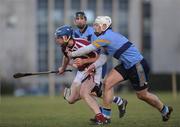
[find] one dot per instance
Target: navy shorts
(137, 74)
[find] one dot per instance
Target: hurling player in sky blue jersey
(83, 30)
(86, 31)
(133, 66)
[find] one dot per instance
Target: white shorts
(80, 75)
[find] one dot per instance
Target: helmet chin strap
(66, 40)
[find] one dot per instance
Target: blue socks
(106, 112)
(164, 110)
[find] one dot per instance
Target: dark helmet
(64, 30)
(80, 14)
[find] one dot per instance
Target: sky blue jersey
(119, 47)
(87, 34)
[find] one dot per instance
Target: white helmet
(101, 20)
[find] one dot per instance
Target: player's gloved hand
(61, 70)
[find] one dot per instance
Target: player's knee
(67, 96)
(142, 96)
(70, 98)
(71, 101)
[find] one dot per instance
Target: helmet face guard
(65, 32)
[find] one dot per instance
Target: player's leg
(97, 91)
(97, 79)
(111, 80)
(154, 101)
(72, 94)
(121, 104)
(139, 78)
(85, 94)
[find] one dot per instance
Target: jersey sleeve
(100, 43)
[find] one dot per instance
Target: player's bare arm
(65, 63)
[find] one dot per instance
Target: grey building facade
(26, 32)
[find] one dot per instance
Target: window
(107, 8)
(59, 13)
(42, 36)
(91, 11)
(146, 37)
(123, 17)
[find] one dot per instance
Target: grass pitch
(46, 112)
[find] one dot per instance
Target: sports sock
(106, 113)
(117, 100)
(164, 110)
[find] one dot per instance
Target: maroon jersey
(78, 43)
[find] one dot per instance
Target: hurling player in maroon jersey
(80, 88)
